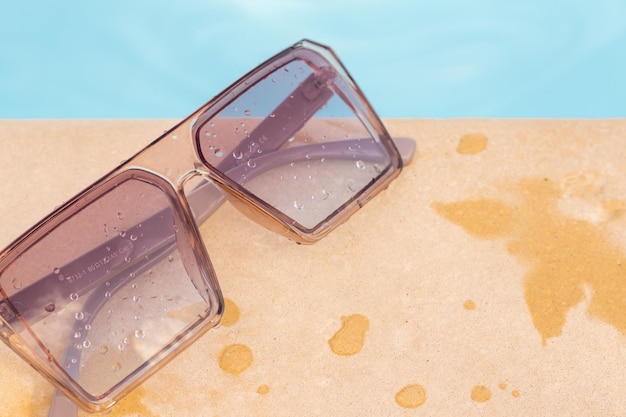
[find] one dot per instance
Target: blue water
(444, 58)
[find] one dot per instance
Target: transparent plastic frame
(112, 246)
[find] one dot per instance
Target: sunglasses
(109, 287)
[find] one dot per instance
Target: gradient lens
(294, 141)
(105, 294)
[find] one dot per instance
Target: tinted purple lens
(293, 141)
(104, 294)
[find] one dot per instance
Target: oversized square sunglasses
(112, 285)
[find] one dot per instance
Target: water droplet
(87, 327)
(127, 259)
(108, 248)
(237, 155)
(219, 153)
(323, 160)
(73, 296)
(57, 271)
(117, 366)
(136, 298)
(133, 237)
(350, 185)
(79, 316)
(73, 360)
(247, 112)
(325, 193)
(86, 344)
(121, 346)
(360, 165)
(235, 109)
(107, 295)
(139, 334)
(272, 115)
(174, 137)
(251, 163)
(297, 205)
(17, 284)
(120, 216)
(103, 349)
(77, 335)
(50, 307)
(126, 341)
(170, 258)
(61, 277)
(133, 286)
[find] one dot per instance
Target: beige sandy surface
(487, 280)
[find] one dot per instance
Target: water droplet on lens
(79, 316)
(139, 334)
(73, 296)
(360, 165)
(50, 307)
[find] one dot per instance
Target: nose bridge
(172, 155)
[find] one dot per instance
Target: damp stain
(515, 393)
(350, 338)
(480, 394)
(472, 143)
(567, 258)
(231, 313)
(263, 389)
(131, 405)
(469, 305)
(235, 358)
(28, 405)
(411, 396)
